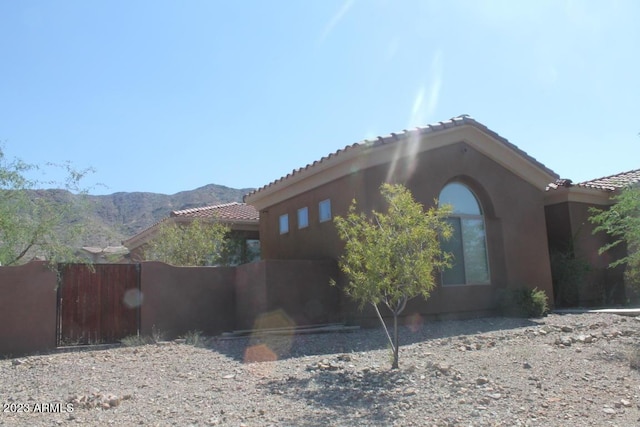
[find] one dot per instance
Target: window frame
(283, 223)
(321, 218)
(465, 262)
(305, 212)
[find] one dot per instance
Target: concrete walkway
(633, 312)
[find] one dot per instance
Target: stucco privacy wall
(513, 209)
(277, 293)
(27, 309)
(177, 300)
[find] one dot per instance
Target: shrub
(194, 338)
(136, 340)
(634, 358)
(524, 302)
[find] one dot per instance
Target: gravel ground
(563, 370)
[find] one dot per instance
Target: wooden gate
(98, 304)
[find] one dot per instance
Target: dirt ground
(562, 370)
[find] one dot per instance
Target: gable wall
(515, 221)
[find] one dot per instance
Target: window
(303, 217)
(469, 242)
(324, 208)
(284, 223)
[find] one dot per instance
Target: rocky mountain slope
(114, 217)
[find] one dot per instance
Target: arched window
(468, 243)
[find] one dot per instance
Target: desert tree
(196, 243)
(622, 223)
(36, 222)
(390, 258)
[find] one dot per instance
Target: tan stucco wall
(514, 213)
(177, 300)
(296, 289)
(28, 295)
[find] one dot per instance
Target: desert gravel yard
(562, 370)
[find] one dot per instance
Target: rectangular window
(454, 275)
(467, 245)
(324, 208)
(284, 223)
(303, 217)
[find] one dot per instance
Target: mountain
(115, 217)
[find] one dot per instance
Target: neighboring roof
(351, 151)
(613, 182)
(239, 214)
(233, 211)
(596, 191)
(109, 250)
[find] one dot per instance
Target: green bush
(524, 302)
(194, 338)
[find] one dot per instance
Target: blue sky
(166, 96)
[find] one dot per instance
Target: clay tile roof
(613, 182)
(233, 211)
(461, 120)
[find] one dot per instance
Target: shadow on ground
(368, 397)
(261, 347)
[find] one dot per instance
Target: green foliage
(34, 224)
(198, 243)
(194, 338)
(622, 223)
(568, 272)
(238, 250)
(524, 302)
(138, 340)
(393, 257)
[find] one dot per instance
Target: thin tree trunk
(395, 338)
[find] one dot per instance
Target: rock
(566, 329)
(113, 401)
(17, 362)
(409, 391)
(564, 341)
(625, 403)
(444, 368)
(495, 396)
(608, 410)
(526, 365)
(482, 381)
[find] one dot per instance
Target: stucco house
(497, 190)
(570, 234)
(242, 220)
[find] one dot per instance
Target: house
(496, 189)
(101, 255)
(573, 244)
(242, 220)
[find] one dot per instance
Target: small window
(324, 208)
(303, 217)
(284, 223)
